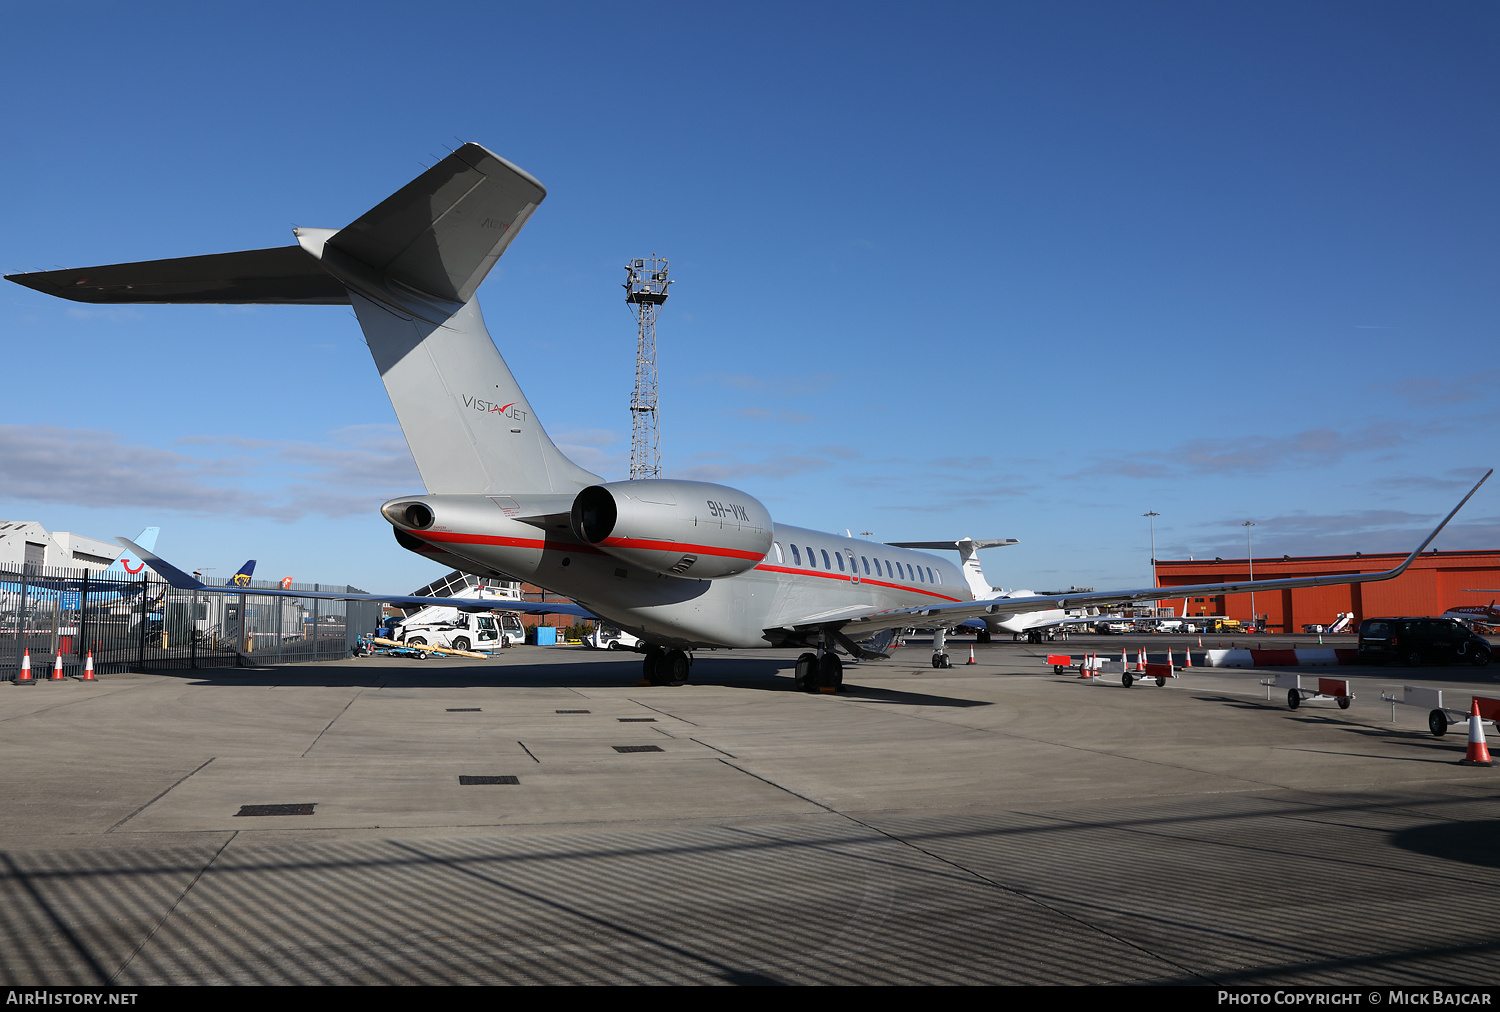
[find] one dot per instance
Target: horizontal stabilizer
(970, 543)
(284, 275)
(442, 232)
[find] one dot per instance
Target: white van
(608, 637)
(443, 626)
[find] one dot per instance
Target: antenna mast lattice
(645, 291)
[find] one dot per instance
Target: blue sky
(997, 270)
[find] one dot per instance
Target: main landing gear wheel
(1437, 723)
(830, 672)
(674, 667)
(941, 661)
(651, 666)
(1293, 699)
(806, 673)
(983, 637)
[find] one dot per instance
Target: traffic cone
(23, 677)
(1124, 660)
(1169, 657)
(971, 657)
(1140, 659)
(1200, 642)
(1085, 667)
(1479, 753)
(88, 669)
(57, 672)
(1187, 657)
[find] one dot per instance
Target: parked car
(1415, 641)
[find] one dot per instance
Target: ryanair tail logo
(242, 579)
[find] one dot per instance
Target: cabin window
(888, 574)
(866, 563)
(780, 561)
(826, 563)
(919, 575)
(839, 556)
(929, 575)
(812, 560)
(911, 577)
(796, 555)
(939, 576)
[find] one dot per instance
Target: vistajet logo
(493, 408)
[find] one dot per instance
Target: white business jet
(682, 565)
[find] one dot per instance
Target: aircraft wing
(182, 581)
(942, 615)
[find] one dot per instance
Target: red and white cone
(1124, 660)
(88, 669)
(1200, 642)
(971, 659)
(1479, 753)
(1187, 655)
(57, 672)
(23, 677)
(1169, 658)
(1140, 659)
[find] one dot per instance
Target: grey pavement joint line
(716, 749)
(528, 751)
(181, 896)
(664, 713)
(1000, 886)
(57, 922)
(336, 716)
(154, 800)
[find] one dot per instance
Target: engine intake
(691, 529)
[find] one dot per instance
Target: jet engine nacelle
(679, 528)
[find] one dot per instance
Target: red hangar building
(1434, 583)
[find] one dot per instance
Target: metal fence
(142, 624)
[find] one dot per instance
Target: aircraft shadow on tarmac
(614, 672)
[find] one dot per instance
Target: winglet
(165, 570)
(1435, 531)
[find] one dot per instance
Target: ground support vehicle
(1439, 717)
(1336, 689)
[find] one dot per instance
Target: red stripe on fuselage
(680, 546)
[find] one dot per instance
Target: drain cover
(574, 711)
(636, 720)
(276, 809)
(463, 709)
(636, 748)
(475, 781)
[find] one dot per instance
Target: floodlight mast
(645, 291)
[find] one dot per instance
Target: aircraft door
(853, 564)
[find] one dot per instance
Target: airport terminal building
(1435, 582)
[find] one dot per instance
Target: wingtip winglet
(162, 568)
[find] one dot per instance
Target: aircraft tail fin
(241, 578)
(410, 267)
(968, 553)
(129, 564)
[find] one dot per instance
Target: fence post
(193, 631)
(145, 610)
(83, 614)
(316, 656)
